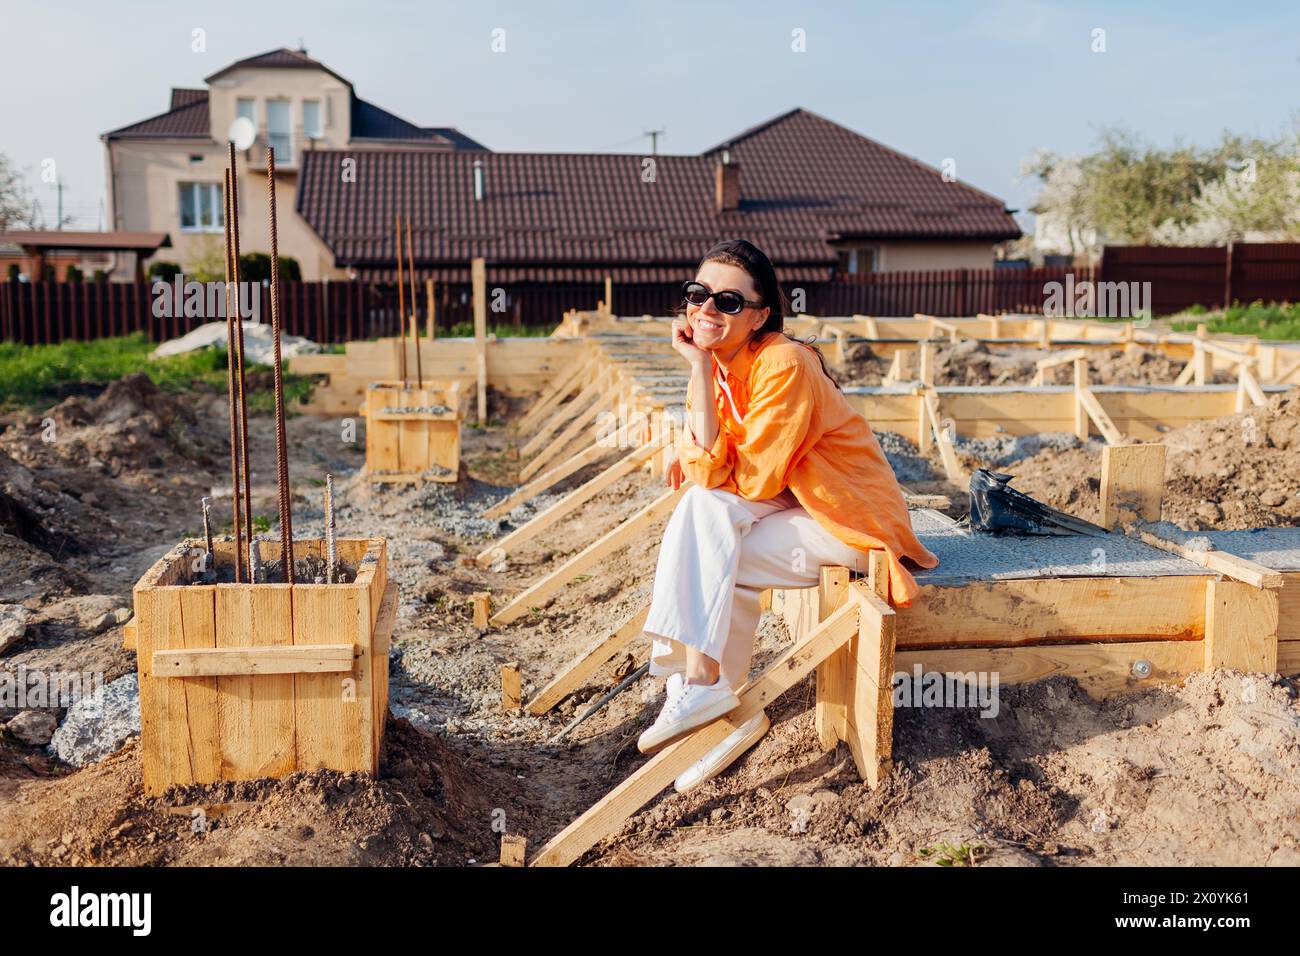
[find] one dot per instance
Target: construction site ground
(1203, 773)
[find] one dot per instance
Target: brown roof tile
(804, 181)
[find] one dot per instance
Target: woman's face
(714, 330)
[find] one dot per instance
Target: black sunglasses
(727, 302)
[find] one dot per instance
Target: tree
(256, 267)
(15, 201)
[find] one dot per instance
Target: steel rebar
(241, 390)
(401, 301)
(623, 685)
(331, 541)
(415, 328)
(232, 407)
(207, 534)
(281, 451)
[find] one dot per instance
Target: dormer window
(311, 119)
(279, 131)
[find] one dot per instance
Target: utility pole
(654, 135)
(59, 186)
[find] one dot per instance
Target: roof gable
(279, 59)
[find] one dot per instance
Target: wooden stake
(511, 696)
(482, 608)
(478, 280)
(513, 849)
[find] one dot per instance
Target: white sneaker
(688, 706)
(724, 754)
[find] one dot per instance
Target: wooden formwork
(243, 681)
(1202, 609)
(413, 434)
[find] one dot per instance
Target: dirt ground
(1207, 772)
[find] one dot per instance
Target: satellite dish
(242, 132)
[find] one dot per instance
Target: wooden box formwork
(243, 681)
(406, 441)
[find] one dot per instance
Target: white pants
(718, 553)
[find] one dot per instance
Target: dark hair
(743, 254)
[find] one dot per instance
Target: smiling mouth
(708, 325)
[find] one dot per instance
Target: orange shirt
(800, 432)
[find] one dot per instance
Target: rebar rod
(331, 542)
(401, 301)
(415, 328)
(241, 389)
(207, 534)
(281, 451)
(231, 362)
(623, 685)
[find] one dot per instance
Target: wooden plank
(1240, 627)
(583, 422)
(1288, 607)
(595, 656)
(540, 522)
(609, 813)
(588, 556)
(830, 709)
(478, 280)
(869, 716)
(592, 453)
(1046, 610)
(329, 726)
(1102, 670)
(219, 661)
(1230, 565)
(1132, 483)
(1099, 417)
(255, 714)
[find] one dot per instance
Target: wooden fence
(43, 312)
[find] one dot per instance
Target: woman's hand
(674, 476)
(685, 345)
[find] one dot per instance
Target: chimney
(726, 193)
(478, 180)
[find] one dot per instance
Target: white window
(247, 108)
(311, 127)
(201, 207)
(279, 132)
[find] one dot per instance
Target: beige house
(165, 173)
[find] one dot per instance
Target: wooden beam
(1240, 627)
(513, 849)
(1054, 610)
(1088, 401)
(478, 280)
(609, 813)
(830, 711)
(947, 452)
(586, 420)
(592, 453)
(595, 656)
(482, 601)
(1103, 670)
(1222, 562)
(269, 659)
(1132, 483)
(588, 556)
(591, 392)
(574, 499)
(869, 701)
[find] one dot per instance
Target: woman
(786, 477)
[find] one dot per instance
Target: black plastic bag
(999, 509)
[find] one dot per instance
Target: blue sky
(984, 83)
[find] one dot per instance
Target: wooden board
(1240, 627)
(1132, 483)
(1049, 610)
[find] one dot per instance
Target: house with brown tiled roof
(818, 197)
(165, 172)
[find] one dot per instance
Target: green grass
(1270, 321)
(465, 330)
(31, 375)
